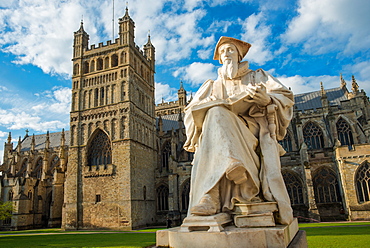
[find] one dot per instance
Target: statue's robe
(225, 139)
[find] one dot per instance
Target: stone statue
(232, 125)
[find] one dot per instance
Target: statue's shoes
(203, 209)
(207, 206)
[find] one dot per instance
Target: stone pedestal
(231, 237)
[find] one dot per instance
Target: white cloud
(36, 35)
(50, 111)
(256, 32)
(41, 32)
(3, 134)
(196, 73)
(299, 84)
(331, 25)
(164, 92)
(22, 120)
(3, 88)
(361, 71)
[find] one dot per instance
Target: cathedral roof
(170, 121)
(312, 100)
(55, 140)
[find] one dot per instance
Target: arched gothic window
(344, 133)
(313, 136)
(106, 63)
(92, 66)
(294, 187)
(86, 67)
(99, 65)
(326, 186)
(38, 169)
(162, 198)
(76, 69)
(286, 143)
(114, 60)
(99, 151)
(166, 153)
(362, 181)
(185, 195)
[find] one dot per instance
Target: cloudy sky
(302, 42)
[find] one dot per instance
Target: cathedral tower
(110, 175)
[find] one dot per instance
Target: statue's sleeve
(282, 97)
(193, 132)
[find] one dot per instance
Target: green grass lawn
(348, 234)
(338, 237)
(80, 240)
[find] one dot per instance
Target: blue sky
(301, 42)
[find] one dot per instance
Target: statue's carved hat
(242, 46)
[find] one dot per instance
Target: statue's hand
(259, 95)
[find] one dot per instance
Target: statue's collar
(243, 69)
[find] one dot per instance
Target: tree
(6, 209)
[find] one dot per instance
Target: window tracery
(313, 136)
(166, 153)
(100, 151)
(344, 133)
(286, 143)
(362, 181)
(294, 187)
(162, 198)
(326, 186)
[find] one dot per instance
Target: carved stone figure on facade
(232, 125)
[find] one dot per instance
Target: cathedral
(122, 165)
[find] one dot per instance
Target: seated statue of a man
(237, 156)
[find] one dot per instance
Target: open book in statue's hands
(237, 104)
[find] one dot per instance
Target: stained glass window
(344, 133)
(326, 186)
(286, 143)
(362, 181)
(166, 153)
(313, 136)
(100, 151)
(294, 187)
(162, 198)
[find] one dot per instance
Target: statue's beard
(229, 69)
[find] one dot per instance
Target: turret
(33, 143)
(126, 30)
(324, 97)
(181, 93)
(355, 87)
(8, 147)
(342, 82)
(149, 51)
(47, 141)
(19, 146)
(81, 42)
